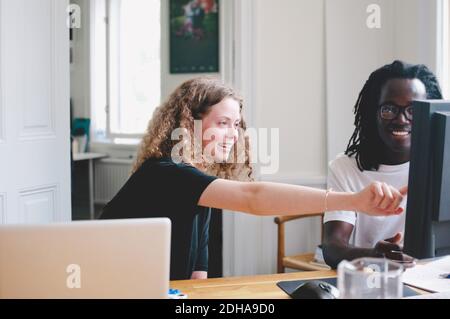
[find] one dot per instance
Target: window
(126, 67)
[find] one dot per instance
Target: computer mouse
(315, 289)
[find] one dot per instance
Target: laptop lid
(89, 259)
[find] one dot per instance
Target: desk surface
(251, 287)
(87, 156)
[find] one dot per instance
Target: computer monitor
(427, 229)
(89, 259)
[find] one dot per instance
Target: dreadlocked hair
(365, 142)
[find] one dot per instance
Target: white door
(34, 112)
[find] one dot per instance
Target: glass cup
(370, 278)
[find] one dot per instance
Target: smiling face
(398, 94)
(221, 129)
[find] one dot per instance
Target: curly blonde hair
(191, 101)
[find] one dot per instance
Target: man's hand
(391, 249)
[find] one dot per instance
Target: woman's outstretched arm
(261, 198)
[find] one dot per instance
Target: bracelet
(326, 198)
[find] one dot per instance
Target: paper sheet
(427, 277)
(440, 295)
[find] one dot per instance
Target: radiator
(110, 175)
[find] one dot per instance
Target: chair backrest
(280, 221)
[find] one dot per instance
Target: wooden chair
(305, 262)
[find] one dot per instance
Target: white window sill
(121, 151)
(110, 144)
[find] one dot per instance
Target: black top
(162, 188)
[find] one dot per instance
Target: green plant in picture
(177, 23)
(211, 23)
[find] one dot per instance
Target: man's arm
(336, 245)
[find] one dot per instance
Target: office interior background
(299, 64)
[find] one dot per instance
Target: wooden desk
(250, 287)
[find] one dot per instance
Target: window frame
(112, 82)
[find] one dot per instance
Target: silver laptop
(93, 259)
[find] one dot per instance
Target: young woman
(180, 175)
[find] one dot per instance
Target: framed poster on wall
(194, 36)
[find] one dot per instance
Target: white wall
(353, 52)
(408, 32)
(290, 81)
(415, 31)
(288, 92)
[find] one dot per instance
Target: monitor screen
(427, 229)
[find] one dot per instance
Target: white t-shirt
(344, 175)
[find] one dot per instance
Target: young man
(378, 150)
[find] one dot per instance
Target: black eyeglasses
(391, 111)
